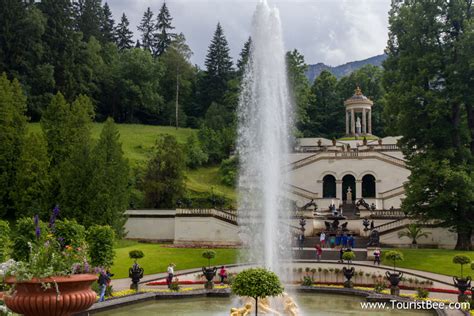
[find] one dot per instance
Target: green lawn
(157, 257)
(137, 142)
(433, 260)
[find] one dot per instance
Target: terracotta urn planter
(29, 298)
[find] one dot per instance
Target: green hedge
(100, 240)
(4, 239)
(69, 232)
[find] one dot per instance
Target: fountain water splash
(265, 122)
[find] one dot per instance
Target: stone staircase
(309, 252)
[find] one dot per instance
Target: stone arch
(346, 173)
(348, 180)
(370, 172)
(368, 186)
(329, 186)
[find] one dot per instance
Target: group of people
(342, 240)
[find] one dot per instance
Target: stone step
(328, 254)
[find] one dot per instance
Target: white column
(370, 121)
(353, 128)
(364, 122)
(358, 189)
(347, 122)
(339, 190)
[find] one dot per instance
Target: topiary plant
(257, 283)
(394, 256)
(462, 260)
(136, 254)
(209, 254)
(100, 240)
(348, 256)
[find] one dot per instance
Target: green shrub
(174, 286)
(348, 256)
(422, 293)
(228, 171)
(100, 240)
(379, 287)
(4, 239)
(195, 155)
(136, 254)
(394, 256)
(24, 234)
(69, 232)
(209, 254)
(307, 281)
(461, 260)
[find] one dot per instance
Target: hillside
(345, 69)
(138, 141)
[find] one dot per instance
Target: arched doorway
(329, 186)
(368, 186)
(348, 181)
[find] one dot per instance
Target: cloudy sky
(329, 31)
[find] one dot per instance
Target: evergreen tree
(12, 133)
(110, 180)
(163, 25)
(88, 17)
(218, 70)
(299, 87)
(326, 111)
(123, 35)
(426, 88)
(147, 29)
(244, 57)
(107, 25)
(32, 181)
(163, 183)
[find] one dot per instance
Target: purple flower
(61, 241)
(37, 227)
(86, 268)
(53, 217)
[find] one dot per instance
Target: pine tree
(244, 57)
(163, 25)
(147, 29)
(110, 179)
(123, 34)
(218, 70)
(32, 181)
(107, 25)
(163, 182)
(12, 134)
(88, 16)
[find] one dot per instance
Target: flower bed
(184, 282)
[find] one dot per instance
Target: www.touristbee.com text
(415, 305)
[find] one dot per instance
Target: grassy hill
(138, 141)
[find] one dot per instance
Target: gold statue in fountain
(284, 305)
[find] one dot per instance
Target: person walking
(170, 271)
(372, 225)
(223, 274)
(322, 239)
(341, 253)
(319, 252)
(104, 281)
(377, 254)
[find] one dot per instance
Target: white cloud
(329, 31)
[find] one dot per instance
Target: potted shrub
(53, 280)
(394, 278)
(349, 271)
(209, 272)
(135, 272)
(257, 283)
(462, 283)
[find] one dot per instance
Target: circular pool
(309, 304)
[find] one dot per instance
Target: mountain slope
(345, 69)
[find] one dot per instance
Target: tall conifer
(123, 34)
(163, 25)
(147, 29)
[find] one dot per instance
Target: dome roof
(358, 98)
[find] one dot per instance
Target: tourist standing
(170, 271)
(344, 240)
(300, 241)
(338, 239)
(372, 225)
(322, 239)
(351, 241)
(332, 241)
(319, 252)
(223, 274)
(341, 252)
(377, 254)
